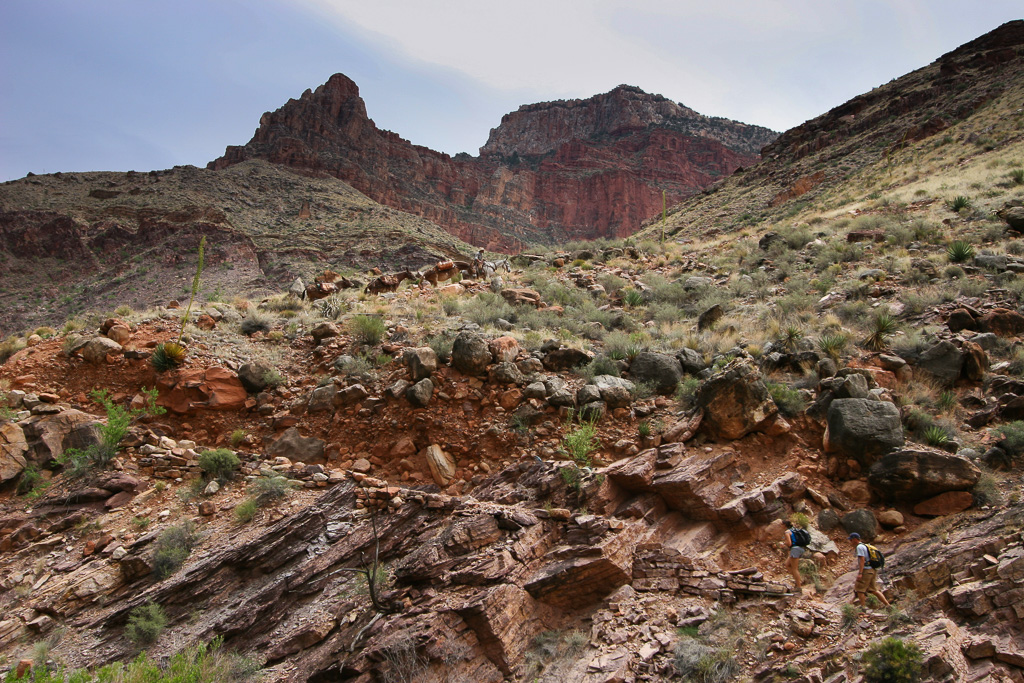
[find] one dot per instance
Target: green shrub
(1017, 176)
(686, 391)
(10, 346)
(30, 478)
(601, 365)
(245, 511)
(1012, 434)
(219, 463)
(266, 490)
(633, 298)
(850, 614)
(237, 437)
(947, 401)
(580, 442)
(145, 624)
(695, 661)
(272, 378)
(442, 346)
(986, 490)
(119, 420)
(173, 546)
(892, 661)
(789, 400)
(800, 519)
(368, 329)
(959, 251)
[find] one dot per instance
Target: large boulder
(862, 429)
(13, 449)
(565, 358)
(913, 474)
(861, 521)
(735, 402)
(97, 350)
(943, 361)
(298, 448)
(422, 362)
(691, 360)
(660, 370)
(1014, 217)
(214, 388)
(1002, 322)
(615, 391)
(442, 465)
(470, 354)
(253, 376)
(48, 436)
(419, 394)
(975, 362)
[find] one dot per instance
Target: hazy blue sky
(143, 84)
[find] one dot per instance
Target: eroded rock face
(13, 448)
(913, 474)
(863, 429)
(50, 435)
(214, 388)
(328, 131)
(736, 402)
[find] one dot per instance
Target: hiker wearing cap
(866, 575)
(796, 551)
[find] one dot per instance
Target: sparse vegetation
(219, 463)
(892, 661)
(172, 548)
(960, 251)
(145, 624)
(368, 329)
(119, 419)
(580, 442)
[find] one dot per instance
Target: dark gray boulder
(470, 354)
(943, 361)
(419, 394)
(862, 429)
(661, 371)
(735, 402)
(862, 522)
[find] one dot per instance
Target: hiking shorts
(866, 582)
(797, 551)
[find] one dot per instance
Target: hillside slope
(74, 242)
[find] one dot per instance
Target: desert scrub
(958, 203)
(367, 329)
(119, 419)
(237, 437)
(601, 365)
(789, 400)
(219, 463)
(173, 546)
(10, 346)
(696, 661)
(892, 661)
(580, 442)
(486, 308)
(266, 490)
(1012, 437)
(245, 511)
(850, 614)
(986, 490)
(255, 322)
(145, 624)
(686, 391)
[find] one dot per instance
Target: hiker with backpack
(869, 560)
(797, 539)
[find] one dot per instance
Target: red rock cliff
(577, 169)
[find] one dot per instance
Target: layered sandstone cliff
(550, 172)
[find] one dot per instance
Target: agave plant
(959, 251)
(958, 202)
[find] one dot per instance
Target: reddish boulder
(1002, 322)
(945, 504)
(214, 388)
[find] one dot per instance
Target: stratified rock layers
(576, 169)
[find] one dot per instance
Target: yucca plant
(884, 327)
(170, 355)
(935, 436)
(632, 298)
(791, 336)
(947, 401)
(958, 202)
(959, 251)
(832, 344)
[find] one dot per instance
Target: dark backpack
(801, 537)
(876, 560)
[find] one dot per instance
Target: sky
(117, 85)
